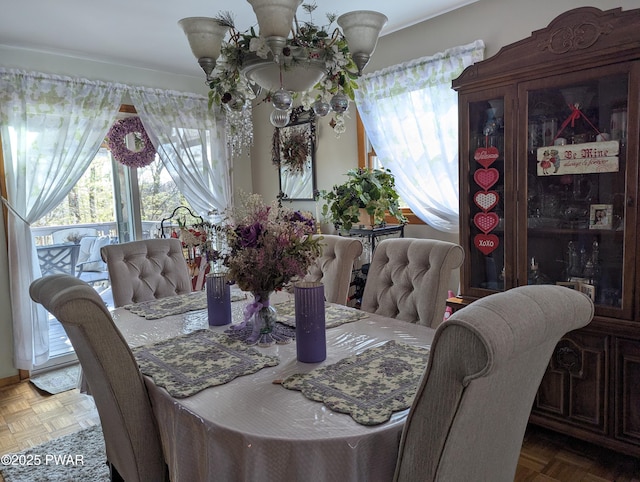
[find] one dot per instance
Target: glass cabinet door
(576, 188)
(485, 167)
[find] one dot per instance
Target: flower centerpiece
(267, 247)
(312, 47)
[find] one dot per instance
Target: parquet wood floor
(28, 417)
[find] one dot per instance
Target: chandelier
(286, 59)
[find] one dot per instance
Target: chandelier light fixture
(286, 59)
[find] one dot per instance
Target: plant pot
(367, 220)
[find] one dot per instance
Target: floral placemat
(281, 334)
(174, 305)
(187, 364)
(334, 315)
(369, 386)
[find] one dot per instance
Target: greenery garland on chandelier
(309, 42)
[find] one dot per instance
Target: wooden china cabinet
(549, 145)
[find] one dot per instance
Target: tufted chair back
(146, 270)
(409, 279)
(131, 436)
(471, 409)
(335, 266)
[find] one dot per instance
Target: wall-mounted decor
(293, 151)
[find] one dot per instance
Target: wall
(497, 22)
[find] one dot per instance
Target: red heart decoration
(486, 155)
(485, 178)
(486, 221)
(486, 243)
(486, 200)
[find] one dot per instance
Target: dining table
(253, 427)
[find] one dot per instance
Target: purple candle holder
(311, 338)
(218, 299)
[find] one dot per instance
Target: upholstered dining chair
(469, 416)
(335, 266)
(409, 279)
(132, 440)
(146, 270)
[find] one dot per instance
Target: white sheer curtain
(410, 114)
(51, 128)
(190, 140)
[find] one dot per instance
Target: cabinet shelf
(573, 231)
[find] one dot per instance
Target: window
(110, 199)
(367, 158)
(123, 203)
(410, 113)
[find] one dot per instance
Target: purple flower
(248, 235)
(297, 216)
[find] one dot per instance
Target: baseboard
(9, 380)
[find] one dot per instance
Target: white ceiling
(144, 33)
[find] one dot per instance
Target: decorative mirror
(294, 152)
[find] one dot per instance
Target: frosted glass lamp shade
(275, 20)
(298, 77)
(361, 28)
(205, 39)
(204, 35)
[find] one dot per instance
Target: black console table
(370, 237)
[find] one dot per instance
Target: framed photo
(601, 216)
(588, 290)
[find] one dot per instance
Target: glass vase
(264, 318)
(260, 325)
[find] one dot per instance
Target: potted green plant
(371, 192)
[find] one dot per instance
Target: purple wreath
(119, 150)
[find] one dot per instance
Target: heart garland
(486, 200)
(486, 221)
(485, 156)
(486, 243)
(486, 178)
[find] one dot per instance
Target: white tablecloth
(251, 429)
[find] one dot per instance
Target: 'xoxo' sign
(486, 243)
